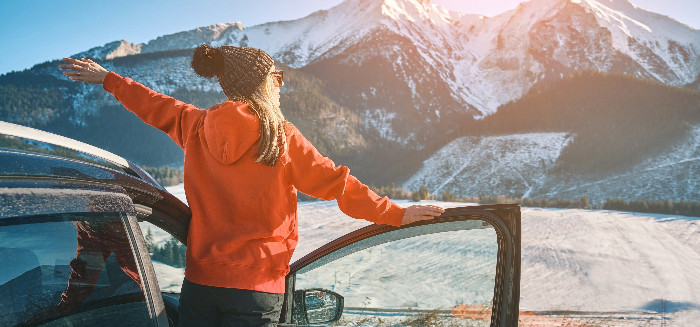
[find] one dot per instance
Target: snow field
(613, 262)
(607, 261)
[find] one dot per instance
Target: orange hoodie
(244, 214)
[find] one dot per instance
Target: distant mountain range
(380, 85)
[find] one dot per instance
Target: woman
(243, 166)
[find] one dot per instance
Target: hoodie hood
(230, 130)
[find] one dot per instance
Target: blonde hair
(272, 140)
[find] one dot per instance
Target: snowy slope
(321, 34)
(470, 166)
(672, 174)
(520, 166)
(651, 39)
(543, 39)
(572, 260)
(112, 50)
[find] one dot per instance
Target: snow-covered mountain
(112, 50)
(401, 78)
(482, 62)
(415, 62)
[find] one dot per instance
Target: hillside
(89, 114)
(592, 134)
(618, 120)
(513, 165)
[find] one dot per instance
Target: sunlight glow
(488, 8)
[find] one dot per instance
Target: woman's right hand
(84, 70)
(421, 212)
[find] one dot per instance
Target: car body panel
(15, 130)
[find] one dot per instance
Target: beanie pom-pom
(207, 61)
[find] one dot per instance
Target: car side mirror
(317, 306)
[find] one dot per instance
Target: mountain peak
(112, 50)
(609, 3)
(412, 9)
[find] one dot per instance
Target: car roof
(10, 129)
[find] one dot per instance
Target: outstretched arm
(318, 176)
(174, 117)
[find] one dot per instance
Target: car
(73, 252)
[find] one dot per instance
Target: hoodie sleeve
(174, 117)
(316, 175)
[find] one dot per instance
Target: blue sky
(35, 31)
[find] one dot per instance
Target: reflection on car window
(167, 255)
(445, 278)
(69, 270)
(22, 144)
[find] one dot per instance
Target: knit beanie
(240, 70)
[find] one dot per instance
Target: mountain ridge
(473, 54)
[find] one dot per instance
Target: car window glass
(167, 255)
(66, 270)
(441, 278)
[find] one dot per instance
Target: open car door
(462, 268)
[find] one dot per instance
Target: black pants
(202, 305)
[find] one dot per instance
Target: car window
(432, 276)
(69, 270)
(167, 255)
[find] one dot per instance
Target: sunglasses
(279, 76)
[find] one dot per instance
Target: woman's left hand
(84, 70)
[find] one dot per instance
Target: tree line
(667, 207)
(165, 175)
(171, 253)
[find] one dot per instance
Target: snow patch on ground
(169, 278)
(606, 260)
